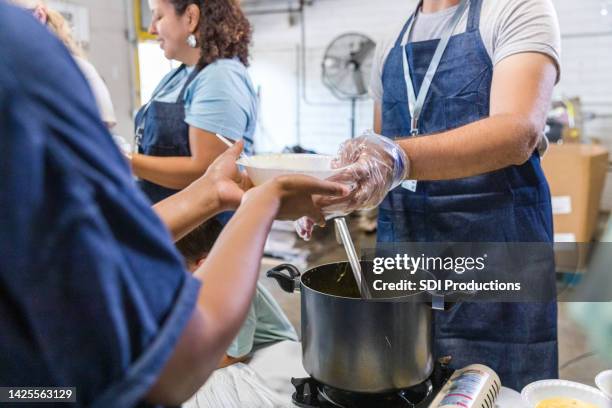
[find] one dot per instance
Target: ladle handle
(441, 302)
(343, 231)
(287, 276)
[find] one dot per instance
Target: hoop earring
(192, 41)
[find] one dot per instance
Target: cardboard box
(576, 174)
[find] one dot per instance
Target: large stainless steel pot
(367, 346)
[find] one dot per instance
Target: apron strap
(474, 15)
(190, 78)
(142, 114)
(179, 69)
(398, 42)
(416, 101)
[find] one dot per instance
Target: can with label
(475, 386)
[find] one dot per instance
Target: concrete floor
(324, 249)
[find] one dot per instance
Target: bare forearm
(229, 275)
(481, 147)
(520, 98)
(188, 208)
(228, 285)
(231, 269)
(170, 172)
(225, 297)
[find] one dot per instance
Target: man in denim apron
(476, 173)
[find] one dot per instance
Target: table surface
(277, 364)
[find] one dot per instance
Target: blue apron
(518, 341)
(161, 131)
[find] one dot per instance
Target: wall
(587, 68)
(587, 62)
(323, 122)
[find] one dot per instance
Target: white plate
(262, 168)
(604, 382)
(539, 391)
(509, 398)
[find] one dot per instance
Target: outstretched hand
(298, 196)
(371, 165)
(228, 182)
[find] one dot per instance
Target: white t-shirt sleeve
(526, 26)
(100, 91)
(376, 86)
(384, 45)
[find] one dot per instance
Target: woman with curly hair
(210, 93)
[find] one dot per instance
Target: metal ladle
(230, 144)
(345, 239)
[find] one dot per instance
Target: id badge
(410, 185)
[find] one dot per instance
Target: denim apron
(517, 340)
(161, 131)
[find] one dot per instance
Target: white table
(277, 364)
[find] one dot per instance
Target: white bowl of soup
(264, 167)
(563, 394)
(604, 382)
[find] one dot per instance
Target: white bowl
(262, 168)
(539, 391)
(509, 398)
(604, 383)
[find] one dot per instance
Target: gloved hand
(304, 227)
(372, 165)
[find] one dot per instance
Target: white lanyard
(415, 104)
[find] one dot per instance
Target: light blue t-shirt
(220, 99)
(265, 323)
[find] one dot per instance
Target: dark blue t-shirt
(93, 294)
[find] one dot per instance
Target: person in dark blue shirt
(93, 294)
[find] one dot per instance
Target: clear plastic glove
(372, 165)
(304, 227)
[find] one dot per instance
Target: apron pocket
(391, 118)
(462, 110)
